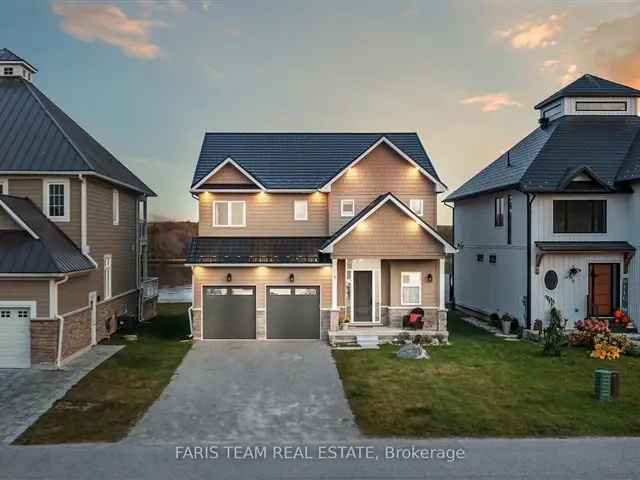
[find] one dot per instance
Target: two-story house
(72, 230)
(300, 231)
(557, 215)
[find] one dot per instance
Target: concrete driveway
(248, 391)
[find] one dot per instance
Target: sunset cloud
(491, 102)
(530, 34)
(111, 25)
(551, 64)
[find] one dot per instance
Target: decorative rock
(413, 352)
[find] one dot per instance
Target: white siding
(634, 268)
(482, 285)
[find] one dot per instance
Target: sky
(147, 79)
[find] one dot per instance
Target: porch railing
(149, 288)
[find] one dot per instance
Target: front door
(363, 296)
(603, 281)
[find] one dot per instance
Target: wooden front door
(602, 287)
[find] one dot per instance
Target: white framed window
(108, 277)
(8, 70)
(4, 187)
(300, 210)
(347, 208)
(417, 205)
(116, 207)
(230, 214)
(411, 288)
(56, 199)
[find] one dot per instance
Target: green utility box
(607, 384)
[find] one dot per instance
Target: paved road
(250, 392)
(577, 459)
(27, 393)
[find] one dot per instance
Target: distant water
(174, 284)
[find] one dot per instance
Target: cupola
(589, 95)
(12, 65)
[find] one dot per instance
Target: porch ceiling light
(291, 278)
(229, 277)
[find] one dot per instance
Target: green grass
(108, 402)
(482, 386)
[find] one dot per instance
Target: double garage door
(293, 312)
(15, 337)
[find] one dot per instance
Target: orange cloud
(534, 34)
(491, 102)
(109, 24)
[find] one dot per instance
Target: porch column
(442, 299)
(334, 319)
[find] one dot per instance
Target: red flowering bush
(586, 331)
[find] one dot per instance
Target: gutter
(530, 198)
(61, 323)
(83, 220)
(190, 310)
(452, 274)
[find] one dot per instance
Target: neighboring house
(558, 214)
(298, 231)
(72, 230)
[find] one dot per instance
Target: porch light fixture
(291, 278)
(429, 278)
(229, 277)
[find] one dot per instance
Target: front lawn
(482, 386)
(108, 402)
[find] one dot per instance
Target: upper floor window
(499, 212)
(8, 70)
(56, 199)
(579, 216)
(300, 210)
(229, 214)
(417, 205)
(347, 208)
(601, 106)
(116, 207)
(4, 187)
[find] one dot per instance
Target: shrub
(494, 320)
(586, 332)
(617, 340)
(516, 329)
(554, 337)
(633, 350)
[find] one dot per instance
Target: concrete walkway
(27, 393)
(248, 391)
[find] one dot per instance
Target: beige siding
(27, 187)
(6, 222)
(389, 233)
(73, 294)
(262, 276)
(268, 214)
(105, 238)
(382, 171)
(430, 290)
(228, 174)
(27, 290)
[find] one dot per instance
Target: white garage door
(15, 337)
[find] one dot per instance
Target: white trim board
(448, 248)
(228, 161)
(440, 187)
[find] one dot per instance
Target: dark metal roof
(7, 55)
(591, 86)
(303, 250)
(603, 246)
(299, 160)
(37, 136)
(600, 144)
(53, 252)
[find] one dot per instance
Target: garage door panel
(293, 312)
(15, 338)
(229, 312)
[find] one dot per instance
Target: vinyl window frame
(302, 218)
(4, 183)
(344, 202)
(498, 211)
(229, 204)
(415, 280)
(116, 206)
(563, 228)
(417, 201)
(46, 183)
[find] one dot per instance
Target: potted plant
(506, 323)
(345, 323)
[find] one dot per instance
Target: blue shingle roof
(298, 160)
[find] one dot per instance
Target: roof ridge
(59, 127)
(311, 133)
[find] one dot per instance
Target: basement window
(480, 257)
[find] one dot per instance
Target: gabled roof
(256, 250)
(300, 160)
(541, 162)
(591, 86)
(369, 210)
(41, 248)
(37, 136)
(7, 55)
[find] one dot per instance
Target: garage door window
(306, 291)
(280, 291)
(23, 314)
(241, 291)
(216, 291)
(5, 314)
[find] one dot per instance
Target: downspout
(452, 274)
(83, 220)
(530, 198)
(60, 323)
(190, 310)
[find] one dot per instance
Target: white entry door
(15, 337)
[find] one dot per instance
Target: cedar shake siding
(389, 233)
(268, 214)
(227, 175)
(27, 290)
(382, 171)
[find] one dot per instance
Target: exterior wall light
(291, 278)
(229, 277)
(429, 278)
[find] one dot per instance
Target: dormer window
(8, 70)
(592, 106)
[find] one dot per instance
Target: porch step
(368, 341)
